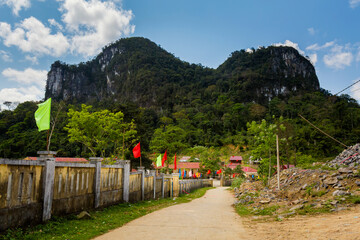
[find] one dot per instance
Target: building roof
(236, 158)
(249, 169)
(62, 159)
(190, 165)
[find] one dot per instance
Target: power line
(323, 131)
(347, 87)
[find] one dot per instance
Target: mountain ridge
(139, 71)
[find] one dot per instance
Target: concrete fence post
(142, 170)
(49, 175)
(176, 187)
(163, 186)
(126, 181)
(153, 173)
(97, 180)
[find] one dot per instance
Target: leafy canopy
(101, 132)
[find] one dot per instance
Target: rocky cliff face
(137, 70)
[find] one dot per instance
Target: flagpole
(140, 161)
(47, 140)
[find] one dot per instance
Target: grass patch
(353, 199)
(102, 221)
(308, 209)
(244, 210)
(267, 211)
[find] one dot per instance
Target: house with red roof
(189, 167)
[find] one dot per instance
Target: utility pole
(278, 161)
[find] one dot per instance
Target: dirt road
(343, 225)
(209, 217)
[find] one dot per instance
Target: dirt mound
(302, 191)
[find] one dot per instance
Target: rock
(248, 198)
(340, 193)
(330, 181)
(334, 202)
(357, 183)
(340, 177)
(297, 207)
(345, 170)
(265, 201)
(83, 215)
(304, 186)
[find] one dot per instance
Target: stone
(345, 170)
(265, 201)
(304, 186)
(357, 183)
(340, 193)
(83, 215)
(334, 202)
(330, 181)
(297, 207)
(340, 177)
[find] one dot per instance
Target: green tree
(210, 160)
(101, 132)
(171, 138)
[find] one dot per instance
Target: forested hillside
(189, 104)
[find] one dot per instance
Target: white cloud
(313, 58)
(22, 94)
(95, 24)
(316, 47)
(5, 56)
(28, 77)
(289, 43)
(311, 31)
(338, 58)
(354, 3)
(54, 23)
(32, 59)
(249, 50)
(16, 5)
(32, 36)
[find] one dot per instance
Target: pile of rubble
(350, 157)
(303, 187)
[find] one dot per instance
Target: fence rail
(33, 191)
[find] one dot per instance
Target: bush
(237, 182)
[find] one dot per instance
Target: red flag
(164, 159)
(137, 151)
(208, 172)
(219, 171)
(233, 175)
(175, 162)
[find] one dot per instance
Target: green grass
(102, 221)
(244, 210)
(353, 199)
(308, 210)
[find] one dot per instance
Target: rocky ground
(305, 198)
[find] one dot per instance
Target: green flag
(158, 161)
(42, 115)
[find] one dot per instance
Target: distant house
(62, 159)
(189, 167)
(249, 171)
(236, 159)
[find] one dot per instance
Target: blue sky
(35, 33)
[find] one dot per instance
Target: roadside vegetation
(100, 222)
